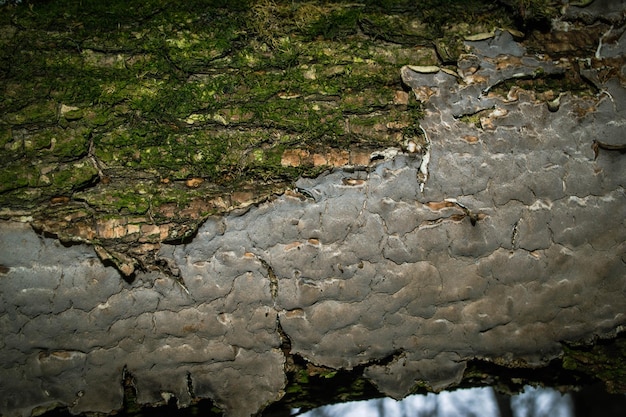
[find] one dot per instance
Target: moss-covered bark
(126, 125)
(158, 115)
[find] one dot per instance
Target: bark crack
(422, 175)
(273, 279)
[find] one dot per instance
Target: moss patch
(194, 89)
(120, 107)
(604, 360)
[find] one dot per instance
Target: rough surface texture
(498, 240)
(517, 241)
(125, 126)
(497, 231)
(71, 327)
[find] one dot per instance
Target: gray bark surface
(498, 248)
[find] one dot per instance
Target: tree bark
(250, 210)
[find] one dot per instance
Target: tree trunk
(260, 203)
(504, 404)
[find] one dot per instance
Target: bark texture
(496, 232)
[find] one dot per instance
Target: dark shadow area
(590, 401)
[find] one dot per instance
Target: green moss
(472, 119)
(302, 377)
(70, 144)
(26, 144)
(36, 113)
(538, 10)
(120, 201)
(328, 374)
(310, 386)
(336, 24)
(73, 177)
(211, 89)
(604, 361)
(16, 175)
(130, 203)
(74, 114)
(6, 138)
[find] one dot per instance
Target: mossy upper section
(165, 113)
(209, 89)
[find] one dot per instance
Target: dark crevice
(169, 269)
(186, 238)
(190, 389)
(285, 340)
(511, 380)
(130, 391)
(310, 386)
(597, 145)
(561, 81)
(273, 280)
